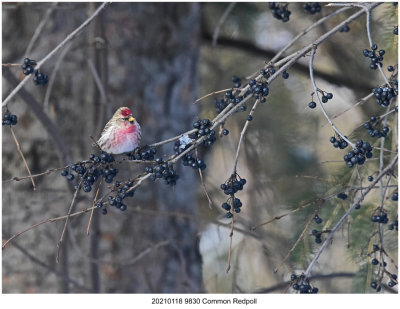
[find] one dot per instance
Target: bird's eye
(125, 119)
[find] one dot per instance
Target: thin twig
(53, 75)
(230, 244)
(362, 101)
(67, 218)
(11, 64)
(43, 222)
(305, 31)
(93, 207)
(23, 158)
(343, 218)
(321, 104)
(242, 136)
(98, 82)
(40, 27)
(210, 203)
(221, 21)
(213, 93)
(287, 213)
(301, 236)
(70, 37)
(172, 139)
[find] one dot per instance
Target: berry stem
(67, 218)
(319, 100)
(230, 243)
(210, 203)
(93, 204)
(23, 158)
(242, 137)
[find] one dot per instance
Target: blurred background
(157, 58)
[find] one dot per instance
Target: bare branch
(23, 158)
(344, 217)
(221, 21)
(39, 28)
(70, 37)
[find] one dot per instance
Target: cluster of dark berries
(394, 225)
(91, 171)
(318, 236)
(376, 57)
(382, 218)
(395, 31)
(304, 287)
(312, 7)
(345, 28)
(383, 95)
(266, 73)
(145, 153)
(280, 11)
(163, 170)
(234, 184)
(189, 160)
(395, 196)
(258, 89)
(220, 104)
(342, 196)
(359, 154)
(373, 128)
(28, 66)
(40, 78)
(338, 142)
(234, 203)
(9, 119)
(204, 129)
(122, 193)
(326, 96)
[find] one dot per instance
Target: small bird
(121, 134)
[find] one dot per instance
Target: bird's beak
(131, 119)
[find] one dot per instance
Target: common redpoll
(121, 134)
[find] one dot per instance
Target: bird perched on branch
(121, 134)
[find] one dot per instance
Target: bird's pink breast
(128, 129)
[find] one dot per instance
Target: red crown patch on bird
(126, 112)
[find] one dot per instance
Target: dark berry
(64, 173)
(312, 104)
